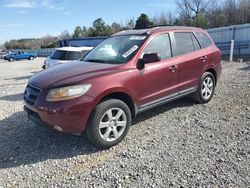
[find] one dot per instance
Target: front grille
(30, 95)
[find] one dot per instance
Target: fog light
(58, 128)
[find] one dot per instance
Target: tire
(205, 90)
(11, 59)
(104, 128)
(31, 58)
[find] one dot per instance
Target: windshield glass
(66, 55)
(115, 50)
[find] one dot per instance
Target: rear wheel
(109, 123)
(31, 58)
(205, 89)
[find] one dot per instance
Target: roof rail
(155, 26)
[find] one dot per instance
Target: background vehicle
(2, 55)
(65, 55)
(20, 55)
(129, 73)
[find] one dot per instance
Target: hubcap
(112, 124)
(207, 88)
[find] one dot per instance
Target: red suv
(126, 74)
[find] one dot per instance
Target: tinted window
(204, 40)
(66, 55)
(184, 43)
(160, 45)
(195, 42)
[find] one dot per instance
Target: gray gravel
(181, 144)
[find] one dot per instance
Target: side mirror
(151, 58)
(148, 58)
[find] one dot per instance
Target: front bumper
(67, 116)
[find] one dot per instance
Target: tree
(200, 21)
(77, 32)
(197, 6)
(143, 22)
(185, 13)
(64, 35)
(100, 28)
(189, 10)
(116, 27)
(130, 24)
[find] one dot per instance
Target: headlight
(69, 92)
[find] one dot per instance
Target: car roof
(155, 30)
(75, 49)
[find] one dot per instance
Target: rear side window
(204, 40)
(161, 45)
(184, 43)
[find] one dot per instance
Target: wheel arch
(123, 96)
(213, 71)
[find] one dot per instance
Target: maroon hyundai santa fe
(126, 74)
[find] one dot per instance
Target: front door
(158, 80)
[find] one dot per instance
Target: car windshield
(66, 55)
(115, 50)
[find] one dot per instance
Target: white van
(65, 55)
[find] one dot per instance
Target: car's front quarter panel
(124, 81)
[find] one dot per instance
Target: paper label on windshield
(137, 38)
(130, 51)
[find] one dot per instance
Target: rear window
(66, 55)
(184, 43)
(204, 39)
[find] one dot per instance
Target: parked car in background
(65, 55)
(20, 55)
(126, 74)
(2, 55)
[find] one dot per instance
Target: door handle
(173, 68)
(203, 58)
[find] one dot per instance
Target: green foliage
(143, 22)
(100, 28)
(77, 32)
(45, 42)
(200, 20)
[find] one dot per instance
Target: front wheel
(11, 59)
(109, 123)
(205, 90)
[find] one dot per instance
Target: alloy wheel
(207, 88)
(112, 124)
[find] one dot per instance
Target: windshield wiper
(95, 60)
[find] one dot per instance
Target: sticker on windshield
(137, 37)
(130, 51)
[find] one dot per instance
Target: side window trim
(192, 33)
(199, 40)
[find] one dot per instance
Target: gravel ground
(181, 144)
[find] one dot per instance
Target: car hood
(51, 62)
(69, 74)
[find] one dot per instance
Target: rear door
(191, 60)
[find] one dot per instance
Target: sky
(38, 18)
